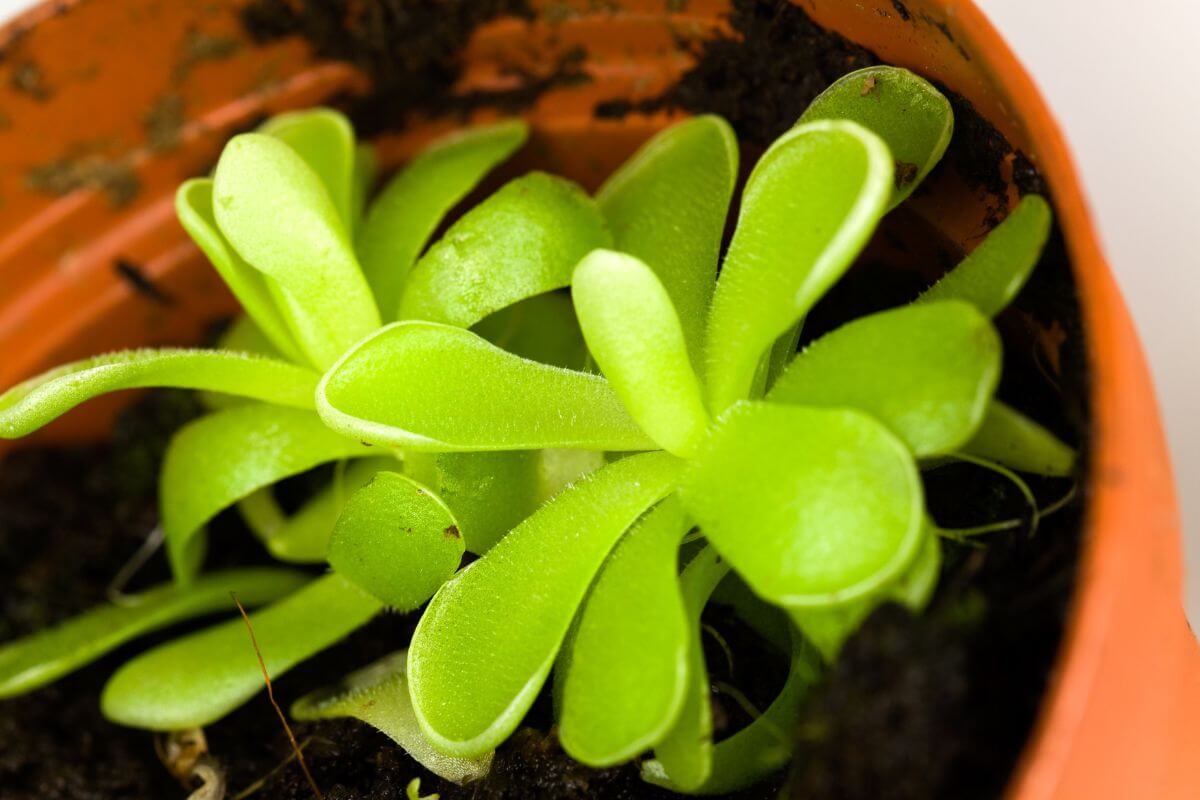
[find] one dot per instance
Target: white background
(1124, 79)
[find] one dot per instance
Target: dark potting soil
(935, 706)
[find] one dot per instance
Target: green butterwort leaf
(487, 640)
(396, 388)
(828, 628)
(40, 400)
(811, 506)
(195, 680)
(1010, 438)
(277, 214)
(413, 204)
(542, 328)
(623, 673)
(490, 492)
(396, 540)
(927, 372)
(219, 459)
(304, 536)
(324, 138)
(253, 290)
(990, 277)
(244, 336)
(378, 695)
(633, 333)
(666, 205)
(809, 207)
(761, 748)
(44, 657)
(913, 118)
(522, 241)
(685, 755)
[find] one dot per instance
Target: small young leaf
(194, 207)
(809, 207)
(685, 755)
(828, 628)
(666, 205)
(1010, 438)
(623, 672)
(433, 387)
(491, 493)
(219, 459)
(44, 657)
(761, 748)
(522, 241)
(487, 640)
(303, 537)
(990, 277)
(277, 214)
(194, 681)
(412, 205)
(927, 372)
(811, 506)
(633, 333)
(324, 138)
(378, 695)
(913, 118)
(40, 400)
(396, 540)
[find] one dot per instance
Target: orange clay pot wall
(106, 105)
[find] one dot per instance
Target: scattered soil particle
(163, 121)
(28, 79)
(411, 51)
(133, 275)
(199, 47)
(111, 174)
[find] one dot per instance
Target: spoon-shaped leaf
(522, 241)
(487, 640)
(195, 680)
(412, 205)
(811, 506)
(990, 277)
(667, 204)
(34, 661)
(828, 628)
(927, 372)
(685, 755)
(303, 537)
(623, 673)
(324, 138)
(277, 214)
(378, 695)
(809, 207)
(40, 400)
(1010, 438)
(194, 207)
(490, 492)
(903, 109)
(633, 333)
(426, 386)
(396, 540)
(220, 459)
(761, 748)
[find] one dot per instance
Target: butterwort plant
(618, 458)
(798, 473)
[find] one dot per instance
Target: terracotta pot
(108, 104)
